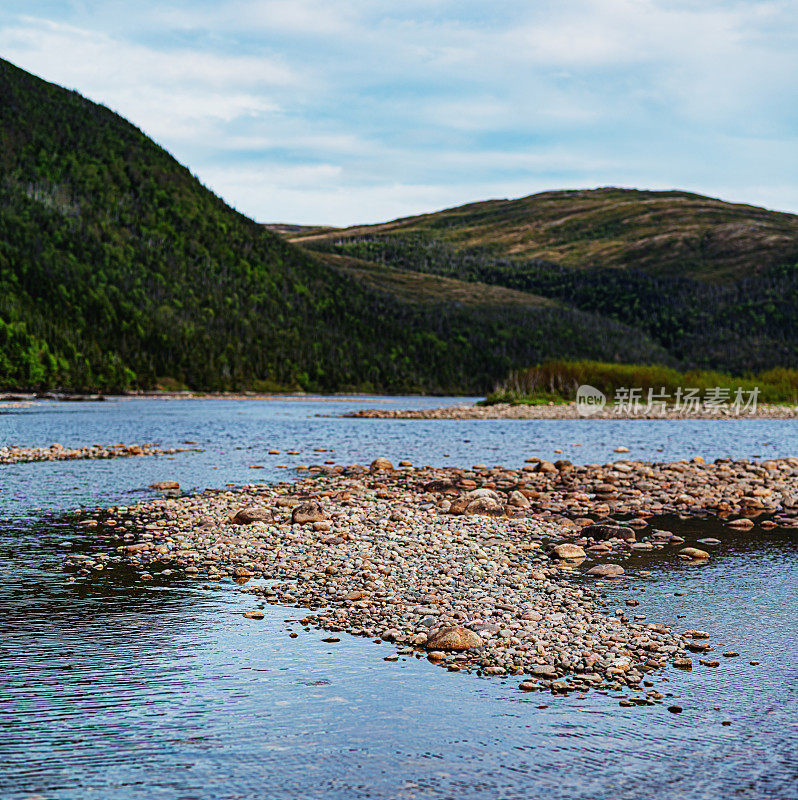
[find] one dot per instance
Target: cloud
(342, 111)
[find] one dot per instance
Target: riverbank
(12, 454)
(476, 568)
(570, 411)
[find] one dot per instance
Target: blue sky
(337, 112)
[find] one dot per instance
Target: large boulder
(165, 485)
(486, 506)
(455, 638)
(603, 531)
(308, 512)
(246, 516)
(568, 552)
(605, 571)
(380, 465)
(518, 500)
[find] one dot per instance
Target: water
(123, 689)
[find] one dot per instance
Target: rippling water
(120, 689)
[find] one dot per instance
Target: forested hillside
(665, 234)
(735, 310)
(118, 269)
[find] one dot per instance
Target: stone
(694, 552)
(568, 551)
(310, 511)
(165, 485)
(603, 531)
(380, 465)
(486, 506)
(543, 671)
(246, 516)
(518, 500)
(455, 638)
(605, 571)
(741, 524)
(256, 613)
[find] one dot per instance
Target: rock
(675, 709)
(308, 512)
(694, 552)
(256, 613)
(568, 551)
(246, 516)
(528, 686)
(543, 671)
(741, 524)
(486, 506)
(165, 485)
(479, 493)
(605, 571)
(455, 638)
(621, 449)
(683, 663)
(603, 531)
(380, 465)
(518, 500)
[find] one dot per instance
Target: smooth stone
(694, 552)
(605, 570)
(568, 551)
(455, 638)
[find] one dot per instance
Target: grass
(663, 233)
(555, 381)
(420, 287)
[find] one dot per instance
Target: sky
(352, 111)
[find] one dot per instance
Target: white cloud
(342, 111)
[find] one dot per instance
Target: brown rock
(453, 639)
(486, 506)
(694, 552)
(605, 571)
(246, 516)
(308, 512)
(164, 485)
(568, 551)
(518, 500)
(380, 464)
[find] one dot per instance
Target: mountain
(713, 283)
(662, 233)
(119, 269)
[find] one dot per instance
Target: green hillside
(714, 284)
(663, 233)
(118, 269)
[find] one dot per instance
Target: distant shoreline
(566, 411)
(333, 397)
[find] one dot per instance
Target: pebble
(13, 454)
(378, 553)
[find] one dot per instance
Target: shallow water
(123, 689)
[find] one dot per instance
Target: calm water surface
(122, 689)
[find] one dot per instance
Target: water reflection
(124, 689)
